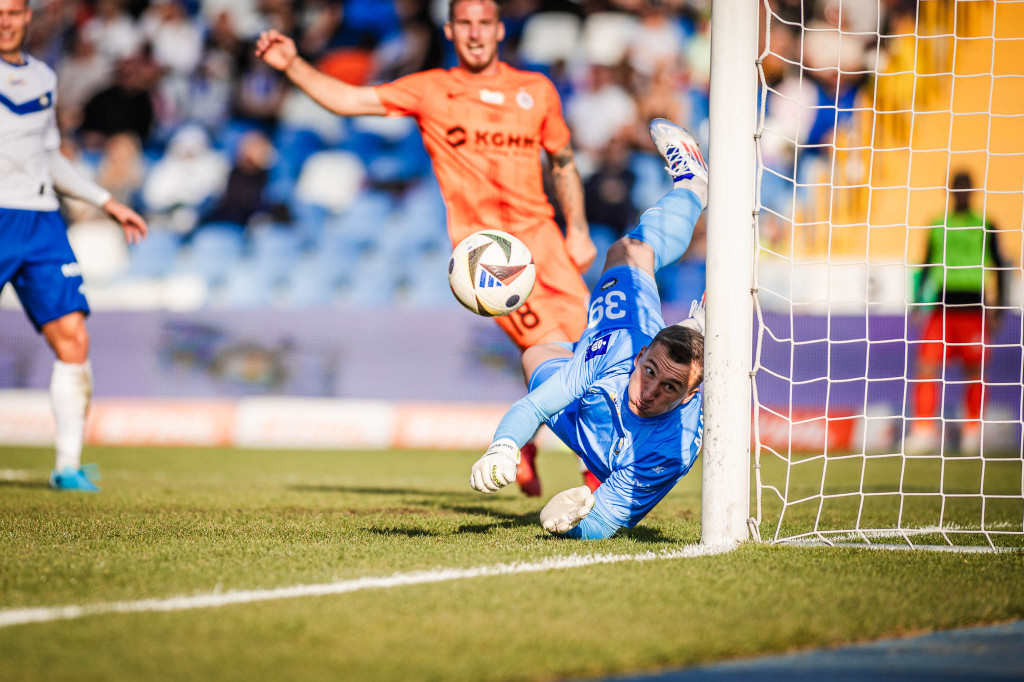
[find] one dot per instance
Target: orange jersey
(484, 135)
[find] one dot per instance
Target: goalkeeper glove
(566, 509)
(497, 468)
(696, 319)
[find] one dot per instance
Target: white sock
(70, 391)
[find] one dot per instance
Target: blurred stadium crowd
(256, 197)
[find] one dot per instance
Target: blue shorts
(624, 298)
(36, 258)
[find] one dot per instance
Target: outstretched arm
(342, 98)
(68, 182)
(569, 192)
(497, 467)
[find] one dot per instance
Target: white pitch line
(438, 575)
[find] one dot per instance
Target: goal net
(887, 379)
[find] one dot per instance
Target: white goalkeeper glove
(497, 468)
(696, 319)
(566, 509)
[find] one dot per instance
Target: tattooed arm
(569, 191)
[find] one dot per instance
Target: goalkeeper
(626, 397)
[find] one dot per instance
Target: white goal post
(864, 331)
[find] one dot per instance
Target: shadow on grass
(407, 532)
(38, 485)
(652, 536)
(366, 490)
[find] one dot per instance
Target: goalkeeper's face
(659, 384)
(475, 30)
(14, 19)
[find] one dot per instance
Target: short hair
(685, 346)
(452, 3)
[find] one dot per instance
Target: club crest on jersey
(524, 99)
(492, 96)
(598, 347)
(44, 101)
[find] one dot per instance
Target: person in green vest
(959, 270)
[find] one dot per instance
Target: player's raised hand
(276, 49)
(497, 468)
(132, 223)
(566, 509)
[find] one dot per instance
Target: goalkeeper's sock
(668, 225)
(526, 474)
(70, 391)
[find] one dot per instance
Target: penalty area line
(438, 575)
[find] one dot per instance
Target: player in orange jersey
(484, 124)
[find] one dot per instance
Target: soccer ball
(491, 273)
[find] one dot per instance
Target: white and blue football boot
(686, 165)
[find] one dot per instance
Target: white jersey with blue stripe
(28, 133)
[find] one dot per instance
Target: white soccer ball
(491, 273)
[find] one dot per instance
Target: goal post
(725, 489)
(864, 361)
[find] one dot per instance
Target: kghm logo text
(458, 136)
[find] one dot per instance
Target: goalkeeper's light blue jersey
(584, 400)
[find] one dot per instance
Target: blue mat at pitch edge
(979, 654)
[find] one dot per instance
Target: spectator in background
(177, 49)
(259, 92)
(184, 183)
(600, 110)
(244, 195)
(963, 252)
(81, 72)
(658, 40)
(417, 47)
(608, 191)
(113, 31)
(126, 106)
(122, 169)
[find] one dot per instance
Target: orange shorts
(558, 304)
(959, 339)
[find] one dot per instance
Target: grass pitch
(173, 522)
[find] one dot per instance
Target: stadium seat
(605, 37)
(213, 249)
(100, 248)
(331, 179)
(549, 37)
(275, 250)
(604, 236)
(154, 256)
(245, 287)
(651, 179)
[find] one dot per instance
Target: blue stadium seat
(604, 236)
(651, 179)
(213, 249)
(682, 282)
(275, 251)
(155, 255)
(245, 287)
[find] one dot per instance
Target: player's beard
(478, 61)
(11, 48)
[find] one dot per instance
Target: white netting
(865, 430)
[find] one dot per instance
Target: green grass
(186, 521)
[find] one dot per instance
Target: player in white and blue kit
(35, 256)
(626, 397)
